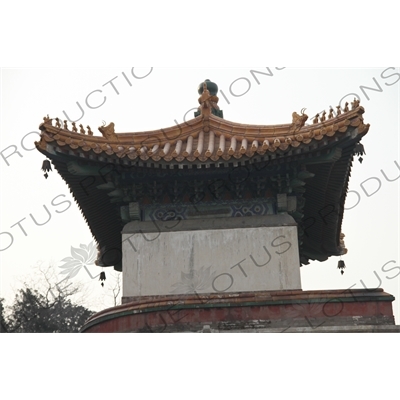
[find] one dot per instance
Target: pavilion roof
(326, 147)
(205, 139)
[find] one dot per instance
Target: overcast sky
(159, 98)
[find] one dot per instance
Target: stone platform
(357, 310)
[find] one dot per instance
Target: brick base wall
(279, 311)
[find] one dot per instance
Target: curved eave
(325, 197)
(200, 140)
(102, 218)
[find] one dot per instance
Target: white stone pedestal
(210, 256)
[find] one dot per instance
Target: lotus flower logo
(82, 256)
(194, 281)
(305, 309)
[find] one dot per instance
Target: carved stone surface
(214, 256)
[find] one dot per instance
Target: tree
(3, 324)
(45, 310)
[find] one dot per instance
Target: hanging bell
(46, 167)
(102, 278)
(359, 151)
(341, 266)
